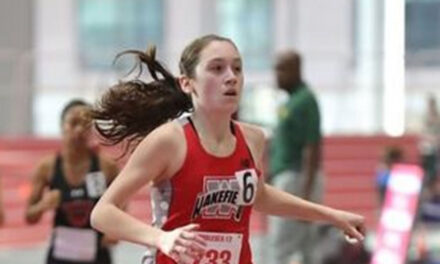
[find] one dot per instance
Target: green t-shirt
(298, 125)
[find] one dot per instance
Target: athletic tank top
(215, 192)
(73, 239)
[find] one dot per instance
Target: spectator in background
(427, 226)
(390, 156)
(295, 160)
(70, 183)
(430, 203)
(428, 222)
(430, 139)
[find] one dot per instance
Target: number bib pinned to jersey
(75, 244)
(247, 180)
(222, 248)
(95, 184)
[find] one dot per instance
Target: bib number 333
(222, 248)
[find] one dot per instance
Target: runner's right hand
(51, 199)
(182, 242)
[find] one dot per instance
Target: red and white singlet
(215, 192)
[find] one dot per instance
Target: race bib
(247, 180)
(74, 244)
(95, 184)
(222, 248)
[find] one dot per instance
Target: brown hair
(71, 104)
(130, 110)
(393, 154)
(191, 54)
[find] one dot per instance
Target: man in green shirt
(295, 157)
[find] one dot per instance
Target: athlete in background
(70, 182)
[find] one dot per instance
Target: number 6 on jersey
(247, 180)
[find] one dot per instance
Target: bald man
(295, 160)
